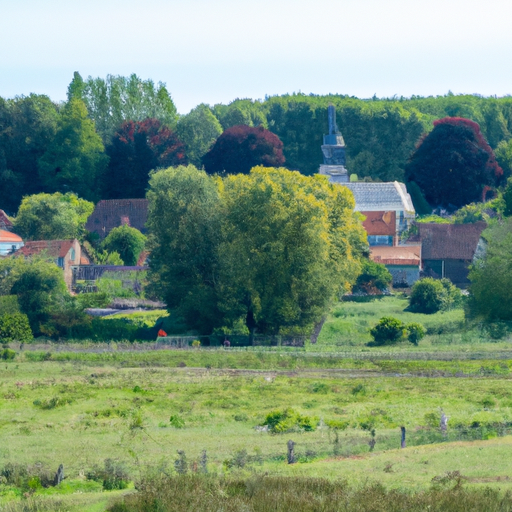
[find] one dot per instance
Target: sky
(214, 51)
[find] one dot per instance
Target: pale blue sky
(215, 51)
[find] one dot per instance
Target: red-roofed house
(65, 253)
(9, 242)
(112, 213)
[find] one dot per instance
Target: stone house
(9, 242)
(65, 253)
(448, 249)
(112, 213)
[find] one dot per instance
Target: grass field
(79, 405)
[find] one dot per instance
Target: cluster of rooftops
(438, 250)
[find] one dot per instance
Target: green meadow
(124, 412)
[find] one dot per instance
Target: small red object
(161, 333)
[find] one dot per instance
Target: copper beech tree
(137, 148)
(241, 148)
(453, 164)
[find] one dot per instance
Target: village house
(448, 249)
(112, 213)
(9, 242)
(65, 253)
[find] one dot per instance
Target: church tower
(333, 149)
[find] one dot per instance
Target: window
(60, 262)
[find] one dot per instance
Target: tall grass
(299, 494)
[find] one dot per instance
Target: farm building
(448, 249)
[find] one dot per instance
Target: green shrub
(288, 420)
(389, 330)
(7, 354)
(93, 300)
(374, 278)
(415, 332)
(15, 327)
(430, 295)
(176, 421)
(112, 476)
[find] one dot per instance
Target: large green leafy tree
(184, 223)
(52, 216)
(136, 149)
(38, 284)
(241, 148)
(27, 126)
(128, 242)
(198, 130)
(272, 248)
(453, 164)
(75, 160)
(113, 100)
(291, 245)
(491, 276)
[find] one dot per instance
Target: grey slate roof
(372, 197)
(450, 241)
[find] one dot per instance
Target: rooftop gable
(5, 222)
(449, 241)
(54, 248)
(8, 237)
(380, 196)
(112, 213)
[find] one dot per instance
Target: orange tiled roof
(7, 236)
(398, 255)
(54, 248)
(380, 223)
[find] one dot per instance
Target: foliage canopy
(453, 163)
(272, 247)
(52, 216)
(241, 148)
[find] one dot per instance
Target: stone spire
(333, 150)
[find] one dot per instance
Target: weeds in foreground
(280, 494)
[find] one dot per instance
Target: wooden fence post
(444, 423)
(402, 442)
(59, 476)
(291, 454)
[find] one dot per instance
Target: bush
(430, 295)
(374, 278)
(15, 327)
(7, 354)
(112, 476)
(93, 300)
(288, 420)
(415, 332)
(389, 330)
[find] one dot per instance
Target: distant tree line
(110, 133)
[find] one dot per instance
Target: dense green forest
(124, 127)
